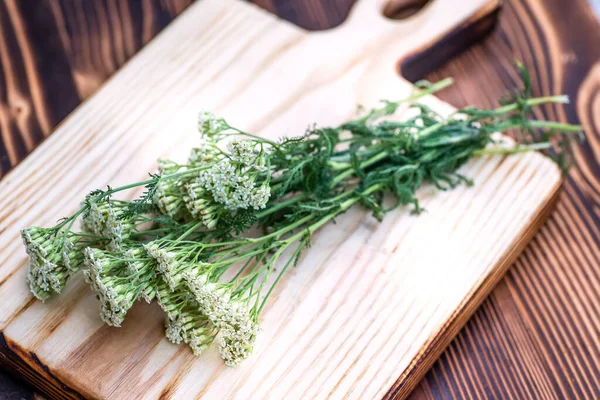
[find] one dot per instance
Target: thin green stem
(558, 126)
(367, 163)
(513, 150)
(289, 262)
(434, 88)
(305, 233)
(281, 205)
(112, 191)
(532, 103)
(190, 230)
(258, 138)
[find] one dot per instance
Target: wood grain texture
(527, 336)
(369, 302)
(537, 334)
(57, 53)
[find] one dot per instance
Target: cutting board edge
(435, 347)
(27, 366)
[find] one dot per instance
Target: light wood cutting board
(370, 306)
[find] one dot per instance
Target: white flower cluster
(174, 329)
(187, 324)
(242, 151)
(200, 204)
(139, 271)
(52, 260)
(236, 344)
(224, 186)
(200, 338)
(232, 187)
(168, 196)
(203, 154)
(115, 288)
(102, 220)
(233, 180)
(209, 124)
(167, 264)
(190, 328)
(237, 327)
(71, 256)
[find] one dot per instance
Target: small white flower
(107, 275)
(202, 155)
(167, 167)
(168, 265)
(174, 330)
(242, 151)
(102, 220)
(237, 340)
(260, 197)
(52, 260)
(232, 318)
(168, 196)
(148, 294)
(209, 124)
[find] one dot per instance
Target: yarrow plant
(185, 243)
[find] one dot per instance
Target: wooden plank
(364, 70)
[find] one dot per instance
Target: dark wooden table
(538, 334)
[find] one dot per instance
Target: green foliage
(143, 204)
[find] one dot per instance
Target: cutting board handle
(448, 24)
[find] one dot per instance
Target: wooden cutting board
(370, 306)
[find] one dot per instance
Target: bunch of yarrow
(210, 238)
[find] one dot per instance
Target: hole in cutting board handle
(415, 66)
(402, 9)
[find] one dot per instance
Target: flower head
(203, 154)
(209, 124)
(260, 196)
(103, 220)
(192, 327)
(52, 260)
(72, 255)
(236, 323)
(242, 151)
(200, 337)
(174, 330)
(235, 345)
(185, 322)
(168, 196)
(232, 187)
(212, 297)
(200, 204)
(168, 264)
(117, 281)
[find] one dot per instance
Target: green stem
(367, 163)
(285, 267)
(507, 109)
(514, 150)
(190, 230)
(278, 206)
(112, 191)
(410, 99)
(310, 230)
(258, 138)
(559, 126)
(436, 87)
(533, 102)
